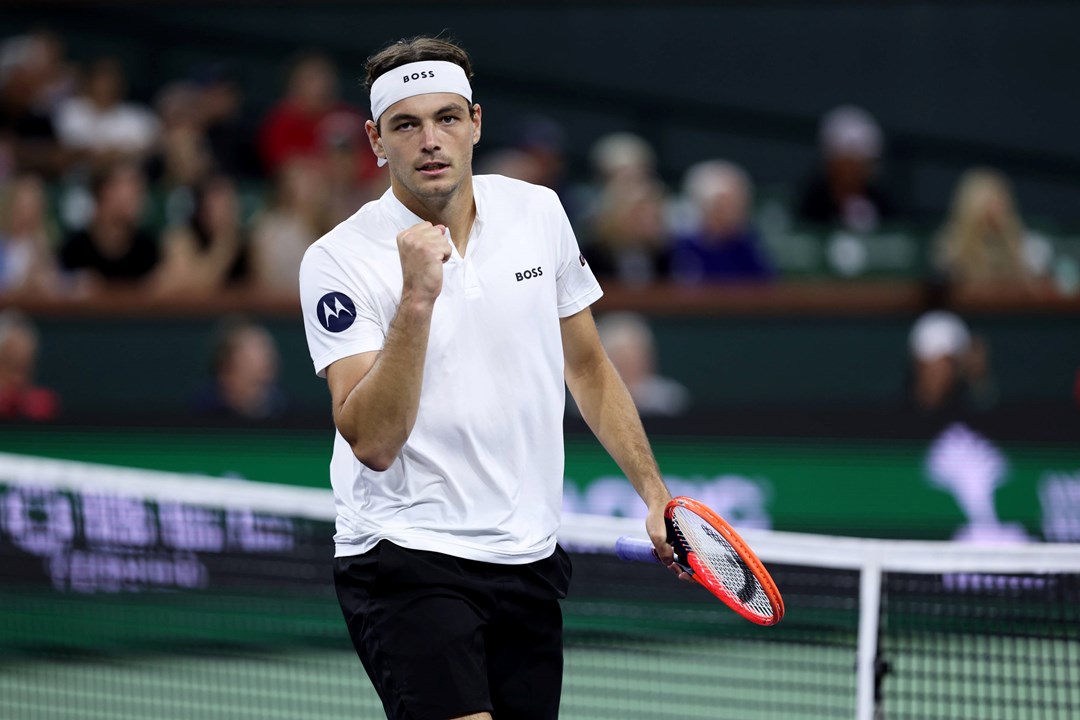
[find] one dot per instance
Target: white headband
(418, 78)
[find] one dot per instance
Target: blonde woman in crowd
(630, 241)
(27, 253)
(295, 219)
(983, 242)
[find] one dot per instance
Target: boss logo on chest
(529, 274)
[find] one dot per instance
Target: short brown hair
(416, 49)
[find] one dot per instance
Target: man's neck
(456, 212)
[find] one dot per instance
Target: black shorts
(442, 637)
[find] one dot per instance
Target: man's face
(428, 141)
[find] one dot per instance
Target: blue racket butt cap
(631, 548)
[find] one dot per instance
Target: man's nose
(430, 140)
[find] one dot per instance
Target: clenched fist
(423, 249)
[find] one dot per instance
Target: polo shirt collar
(402, 217)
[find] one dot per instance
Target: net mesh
(980, 645)
(128, 601)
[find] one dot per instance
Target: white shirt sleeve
(339, 317)
(576, 286)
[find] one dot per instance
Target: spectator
(292, 127)
(28, 139)
(221, 103)
(950, 365)
(27, 261)
(622, 156)
(294, 220)
(346, 163)
(630, 345)
(20, 399)
(56, 78)
(618, 158)
(983, 243)
(846, 192)
(182, 159)
(629, 239)
(724, 246)
(544, 142)
(113, 249)
(245, 374)
(210, 252)
(511, 163)
(100, 126)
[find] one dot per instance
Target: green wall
(154, 367)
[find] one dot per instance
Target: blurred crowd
(177, 198)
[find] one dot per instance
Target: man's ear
(375, 139)
(476, 124)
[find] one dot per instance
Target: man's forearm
(606, 405)
(378, 415)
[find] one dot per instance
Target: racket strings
(716, 557)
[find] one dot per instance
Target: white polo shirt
(480, 477)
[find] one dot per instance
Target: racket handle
(630, 548)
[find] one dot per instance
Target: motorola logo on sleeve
(336, 312)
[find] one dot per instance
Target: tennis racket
(711, 552)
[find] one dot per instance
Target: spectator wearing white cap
(950, 365)
(845, 191)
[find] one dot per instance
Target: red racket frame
(745, 553)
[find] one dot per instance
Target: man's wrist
(416, 304)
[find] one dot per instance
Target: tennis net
(130, 594)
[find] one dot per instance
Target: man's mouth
(433, 168)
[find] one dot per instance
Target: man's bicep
(343, 375)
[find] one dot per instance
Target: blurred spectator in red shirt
(724, 246)
(27, 256)
(347, 165)
(845, 192)
(113, 249)
(19, 397)
(293, 126)
(99, 125)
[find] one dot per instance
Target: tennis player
(445, 317)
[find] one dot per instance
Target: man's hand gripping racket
(711, 552)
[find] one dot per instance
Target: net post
(866, 654)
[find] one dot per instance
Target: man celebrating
(445, 317)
